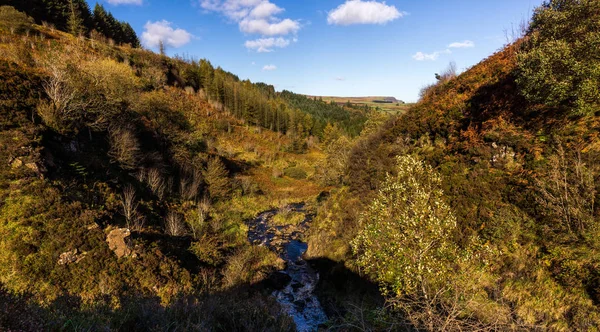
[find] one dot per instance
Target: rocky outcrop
(117, 242)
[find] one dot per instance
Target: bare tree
(517, 31)
(189, 184)
(449, 73)
(125, 148)
(568, 191)
(174, 225)
(156, 182)
(162, 49)
(130, 205)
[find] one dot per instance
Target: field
(395, 107)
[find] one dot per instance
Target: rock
(116, 242)
(93, 226)
(33, 166)
(16, 163)
(70, 257)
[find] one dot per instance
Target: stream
(297, 297)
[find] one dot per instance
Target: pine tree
(101, 20)
(75, 22)
(112, 27)
(130, 36)
(85, 14)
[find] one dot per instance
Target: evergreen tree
(75, 22)
(101, 20)
(85, 14)
(113, 27)
(130, 36)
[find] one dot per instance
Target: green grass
(288, 218)
(394, 108)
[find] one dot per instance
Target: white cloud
(124, 2)
(254, 16)
(265, 9)
(269, 67)
(158, 31)
(264, 45)
(363, 12)
(420, 56)
(339, 78)
(465, 44)
(265, 28)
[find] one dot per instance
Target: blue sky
(328, 47)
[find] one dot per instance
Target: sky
(328, 47)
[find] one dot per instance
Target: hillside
(387, 104)
(125, 190)
(507, 152)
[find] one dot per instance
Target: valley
(147, 192)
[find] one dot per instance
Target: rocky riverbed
(299, 280)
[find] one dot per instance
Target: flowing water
(297, 297)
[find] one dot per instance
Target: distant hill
(389, 104)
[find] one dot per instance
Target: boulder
(117, 242)
(16, 163)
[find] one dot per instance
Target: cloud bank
(420, 56)
(465, 44)
(155, 32)
(363, 12)
(269, 67)
(257, 17)
(265, 45)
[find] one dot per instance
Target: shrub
(14, 20)
(88, 92)
(216, 177)
(250, 265)
(295, 173)
(207, 250)
(124, 146)
(405, 242)
(558, 65)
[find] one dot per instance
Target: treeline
(323, 112)
(75, 16)
(260, 105)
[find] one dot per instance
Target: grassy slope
(393, 108)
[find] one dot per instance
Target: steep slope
(519, 171)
